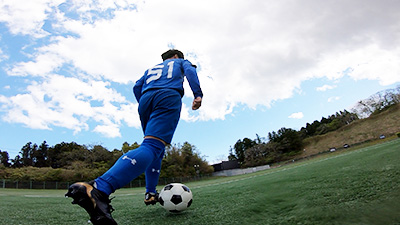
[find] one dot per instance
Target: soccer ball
(175, 197)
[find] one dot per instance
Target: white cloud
(27, 17)
(371, 62)
(250, 53)
(334, 98)
(326, 87)
(298, 115)
(111, 130)
(185, 113)
(43, 65)
(2, 55)
(70, 103)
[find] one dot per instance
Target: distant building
(226, 165)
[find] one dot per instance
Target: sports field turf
(354, 187)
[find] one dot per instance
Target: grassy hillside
(369, 129)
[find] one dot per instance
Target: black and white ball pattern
(175, 197)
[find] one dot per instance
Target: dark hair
(170, 53)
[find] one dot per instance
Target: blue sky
(67, 67)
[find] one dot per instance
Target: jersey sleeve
(191, 76)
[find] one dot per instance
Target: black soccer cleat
(95, 202)
(150, 198)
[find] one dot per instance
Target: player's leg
(94, 196)
(163, 121)
(152, 175)
(130, 165)
(135, 162)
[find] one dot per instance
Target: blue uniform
(159, 92)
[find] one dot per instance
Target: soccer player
(159, 93)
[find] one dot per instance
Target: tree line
(73, 162)
(285, 143)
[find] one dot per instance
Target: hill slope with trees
(385, 123)
(370, 118)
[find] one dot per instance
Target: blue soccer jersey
(169, 74)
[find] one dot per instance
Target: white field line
(42, 196)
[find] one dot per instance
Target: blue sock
(152, 174)
(130, 165)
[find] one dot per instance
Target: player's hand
(196, 103)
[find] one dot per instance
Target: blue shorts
(159, 112)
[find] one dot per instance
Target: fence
(34, 184)
(234, 172)
(30, 184)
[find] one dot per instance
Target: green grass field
(355, 187)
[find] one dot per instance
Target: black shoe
(95, 202)
(150, 198)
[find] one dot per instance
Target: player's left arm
(196, 103)
(194, 83)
